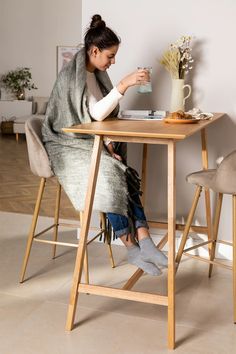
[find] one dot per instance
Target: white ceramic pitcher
(177, 95)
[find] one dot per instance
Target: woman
(82, 93)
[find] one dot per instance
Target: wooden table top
(144, 129)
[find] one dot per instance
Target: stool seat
(38, 157)
(220, 180)
(202, 178)
(19, 123)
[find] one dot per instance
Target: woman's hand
(116, 156)
(112, 153)
(138, 77)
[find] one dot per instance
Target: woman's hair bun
(97, 21)
(99, 35)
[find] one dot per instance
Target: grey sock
(152, 254)
(135, 258)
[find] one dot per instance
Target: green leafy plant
(17, 81)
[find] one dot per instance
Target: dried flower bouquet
(178, 59)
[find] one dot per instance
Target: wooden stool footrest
(57, 243)
(94, 238)
(208, 261)
(225, 242)
(178, 227)
(63, 243)
(44, 230)
(207, 242)
(198, 245)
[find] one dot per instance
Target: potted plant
(17, 81)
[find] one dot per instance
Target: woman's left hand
(138, 77)
(117, 157)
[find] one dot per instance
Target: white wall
(146, 29)
(30, 30)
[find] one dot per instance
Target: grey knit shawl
(70, 154)
(68, 104)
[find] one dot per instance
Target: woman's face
(102, 59)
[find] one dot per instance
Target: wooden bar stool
(222, 181)
(40, 166)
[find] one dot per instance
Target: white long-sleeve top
(100, 107)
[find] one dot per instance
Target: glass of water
(147, 86)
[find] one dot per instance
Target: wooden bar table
(145, 132)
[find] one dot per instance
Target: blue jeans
(120, 223)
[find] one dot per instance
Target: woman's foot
(135, 258)
(150, 253)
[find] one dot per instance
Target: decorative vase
(20, 95)
(177, 95)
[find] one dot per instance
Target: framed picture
(65, 54)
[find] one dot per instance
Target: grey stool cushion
(38, 157)
(225, 178)
(202, 178)
(221, 180)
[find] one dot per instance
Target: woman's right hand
(140, 76)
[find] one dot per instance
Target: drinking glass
(147, 86)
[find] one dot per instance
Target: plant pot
(20, 95)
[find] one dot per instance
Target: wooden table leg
(95, 160)
(56, 218)
(171, 243)
(207, 192)
(144, 174)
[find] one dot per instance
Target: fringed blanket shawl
(70, 154)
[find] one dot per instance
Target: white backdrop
(146, 29)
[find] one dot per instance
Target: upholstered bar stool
(40, 166)
(222, 181)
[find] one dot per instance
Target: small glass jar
(147, 86)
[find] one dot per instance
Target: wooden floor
(18, 186)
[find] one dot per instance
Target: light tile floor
(33, 314)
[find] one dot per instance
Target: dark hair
(100, 35)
